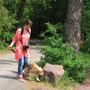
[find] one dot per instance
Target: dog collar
(30, 63)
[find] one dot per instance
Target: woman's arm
(13, 41)
(11, 45)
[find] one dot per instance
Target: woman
(21, 55)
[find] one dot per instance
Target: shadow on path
(15, 72)
(7, 61)
(8, 77)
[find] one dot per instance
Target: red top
(19, 53)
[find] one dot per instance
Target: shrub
(57, 52)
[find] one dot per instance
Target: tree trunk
(21, 9)
(73, 25)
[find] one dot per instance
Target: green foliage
(39, 11)
(3, 45)
(67, 81)
(13, 11)
(86, 26)
(5, 23)
(57, 52)
(85, 59)
(53, 11)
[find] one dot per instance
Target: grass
(85, 59)
(5, 49)
(64, 84)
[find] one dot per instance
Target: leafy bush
(6, 26)
(57, 52)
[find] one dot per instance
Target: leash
(12, 50)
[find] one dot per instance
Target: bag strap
(22, 30)
(21, 33)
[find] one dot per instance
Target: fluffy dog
(33, 68)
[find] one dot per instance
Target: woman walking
(22, 51)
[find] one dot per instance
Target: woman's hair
(28, 21)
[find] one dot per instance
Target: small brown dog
(35, 69)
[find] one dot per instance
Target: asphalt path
(8, 70)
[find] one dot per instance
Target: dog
(33, 68)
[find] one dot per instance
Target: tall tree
(73, 25)
(21, 9)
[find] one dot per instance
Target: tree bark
(21, 9)
(73, 23)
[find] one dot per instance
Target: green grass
(4, 49)
(85, 59)
(64, 84)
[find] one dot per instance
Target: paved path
(8, 71)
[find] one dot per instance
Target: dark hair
(28, 21)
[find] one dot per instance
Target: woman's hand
(10, 47)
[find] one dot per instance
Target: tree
(21, 9)
(73, 23)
